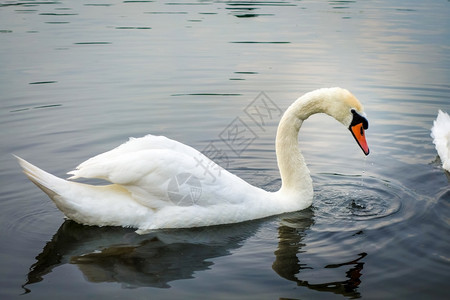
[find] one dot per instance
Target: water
(79, 77)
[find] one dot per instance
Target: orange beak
(358, 133)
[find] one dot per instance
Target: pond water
(79, 77)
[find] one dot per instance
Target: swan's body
(145, 174)
(441, 138)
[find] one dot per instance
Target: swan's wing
(89, 167)
(441, 126)
(163, 173)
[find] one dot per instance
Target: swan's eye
(357, 119)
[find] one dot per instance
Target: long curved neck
(293, 170)
(335, 102)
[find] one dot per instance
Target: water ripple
(32, 221)
(367, 202)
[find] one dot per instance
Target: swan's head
(349, 111)
(336, 102)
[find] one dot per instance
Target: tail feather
(105, 205)
(44, 180)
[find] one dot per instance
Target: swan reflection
(110, 254)
(288, 265)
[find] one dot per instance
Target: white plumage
(160, 183)
(440, 132)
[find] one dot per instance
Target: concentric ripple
(364, 201)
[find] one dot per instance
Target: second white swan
(440, 132)
(157, 182)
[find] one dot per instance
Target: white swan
(441, 138)
(147, 176)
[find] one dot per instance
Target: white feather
(440, 132)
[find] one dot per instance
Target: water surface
(80, 77)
